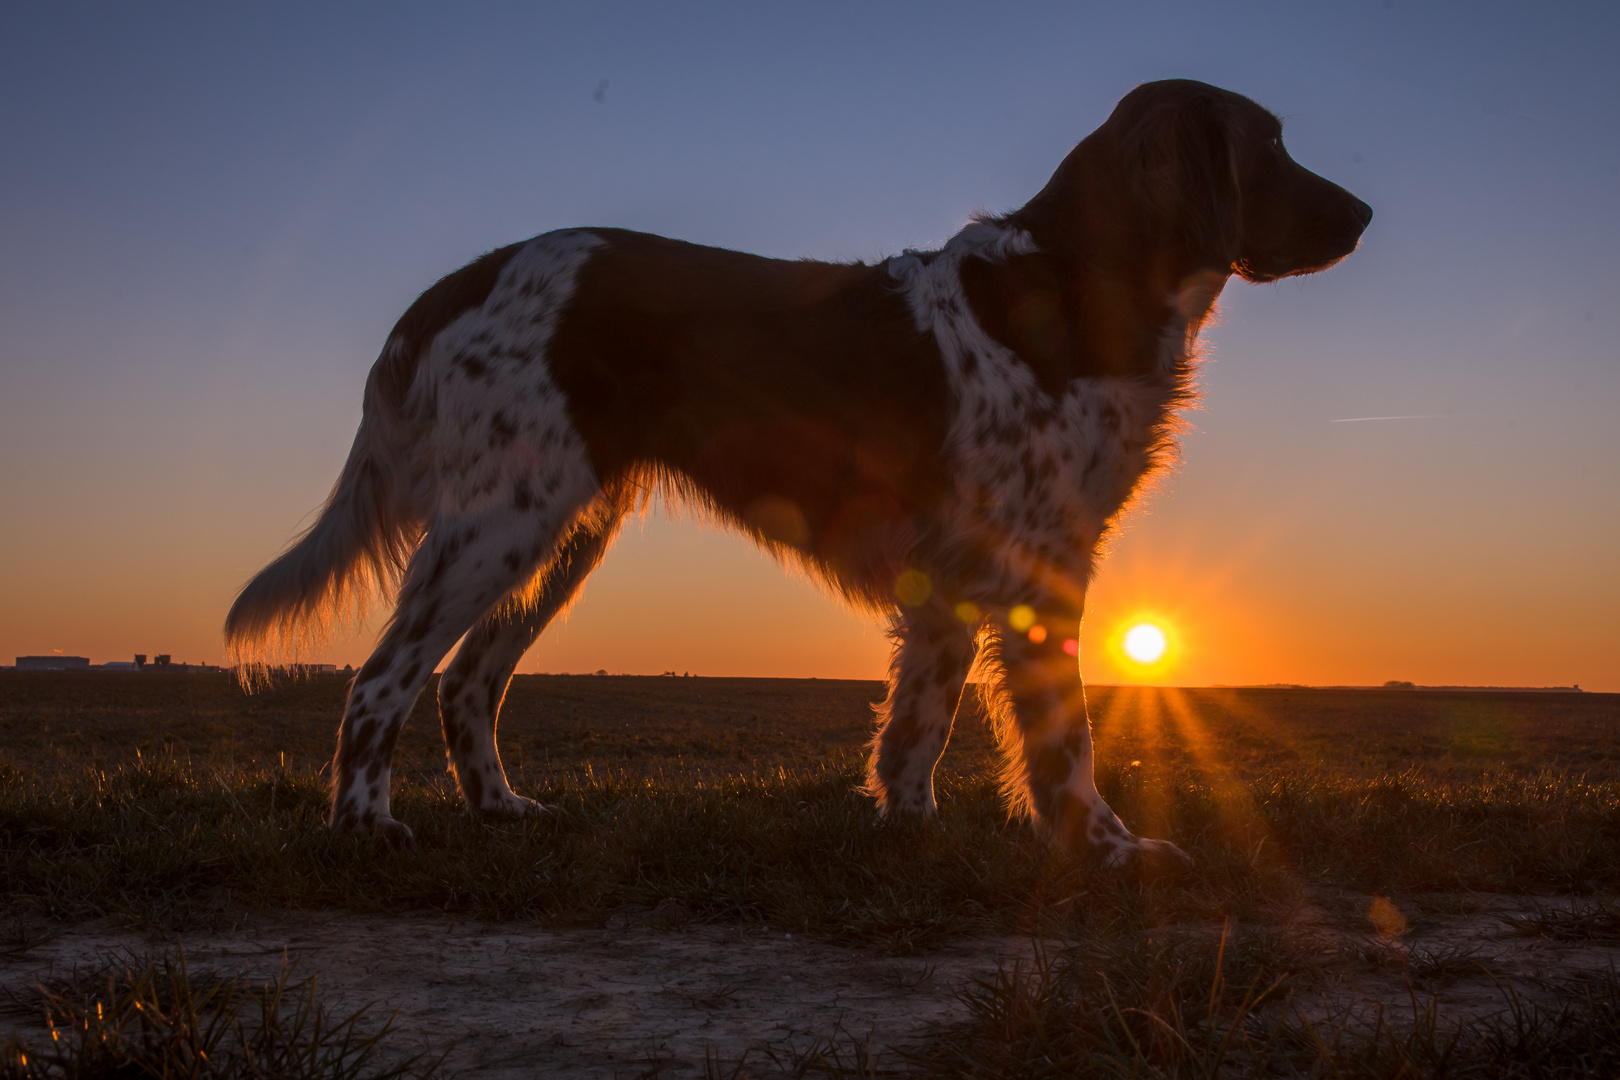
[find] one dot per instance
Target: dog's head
(1194, 178)
(1209, 168)
(1183, 186)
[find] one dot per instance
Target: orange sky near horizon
(1247, 608)
(1404, 468)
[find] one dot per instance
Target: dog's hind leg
(1053, 738)
(932, 654)
(467, 564)
(473, 686)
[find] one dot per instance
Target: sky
(211, 215)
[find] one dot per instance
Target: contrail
(1420, 416)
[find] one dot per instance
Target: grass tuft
(133, 1020)
(1116, 1004)
(1597, 921)
(1577, 1038)
(1194, 1005)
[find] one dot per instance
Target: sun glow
(1145, 643)
(1145, 647)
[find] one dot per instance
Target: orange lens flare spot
(912, 588)
(778, 519)
(1021, 618)
(1145, 643)
(1071, 646)
(1386, 918)
(1037, 634)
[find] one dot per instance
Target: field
(1386, 880)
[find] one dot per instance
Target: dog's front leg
(933, 651)
(1049, 707)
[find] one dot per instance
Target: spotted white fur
(508, 479)
(1085, 453)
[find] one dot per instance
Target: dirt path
(514, 1001)
(508, 1000)
(1462, 952)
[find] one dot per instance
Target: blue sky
(211, 215)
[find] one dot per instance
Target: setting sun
(1145, 643)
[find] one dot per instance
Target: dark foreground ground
(1386, 880)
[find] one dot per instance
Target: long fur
(945, 432)
(356, 550)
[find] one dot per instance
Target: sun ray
(1242, 825)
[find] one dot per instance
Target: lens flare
(1145, 643)
(912, 587)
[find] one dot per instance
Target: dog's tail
(358, 546)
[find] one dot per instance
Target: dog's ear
(1181, 159)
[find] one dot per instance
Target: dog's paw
(1150, 858)
(908, 811)
(905, 801)
(394, 834)
(512, 805)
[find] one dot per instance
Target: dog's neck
(1123, 266)
(1090, 309)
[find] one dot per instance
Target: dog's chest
(1036, 478)
(1050, 473)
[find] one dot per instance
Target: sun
(1145, 643)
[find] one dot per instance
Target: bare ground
(1463, 952)
(654, 996)
(507, 1000)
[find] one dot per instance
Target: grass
(1198, 1006)
(740, 804)
(171, 843)
(133, 1020)
(1594, 921)
(174, 802)
(559, 723)
(1124, 1001)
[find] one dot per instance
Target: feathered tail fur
(366, 531)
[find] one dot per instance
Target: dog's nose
(1363, 213)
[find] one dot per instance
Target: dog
(943, 437)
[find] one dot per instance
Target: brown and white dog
(944, 437)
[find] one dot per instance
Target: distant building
(162, 663)
(53, 663)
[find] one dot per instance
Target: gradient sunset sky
(211, 215)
